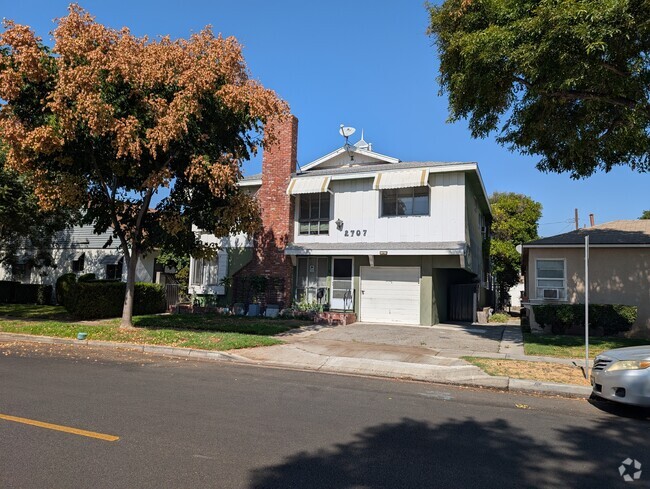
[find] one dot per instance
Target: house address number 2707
(351, 233)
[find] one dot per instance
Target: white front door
(390, 295)
(342, 286)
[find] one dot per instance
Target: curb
(499, 383)
(159, 350)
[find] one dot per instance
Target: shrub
(44, 295)
(499, 317)
(613, 318)
(105, 299)
(26, 294)
(63, 285)
(7, 291)
(87, 277)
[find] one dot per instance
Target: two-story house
(357, 230)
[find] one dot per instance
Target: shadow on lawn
(225, 324)
(465, 453)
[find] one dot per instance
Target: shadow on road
(465, 453)
(620, 410)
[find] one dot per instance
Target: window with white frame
(205, 272)
(412, 201)
(550, 279)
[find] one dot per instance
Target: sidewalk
(389, 351)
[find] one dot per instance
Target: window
(412, 201)
(551, 282)
(314, 217)
(21, 272)
(205, 272)
(78, 263)
(311, 280)
(114, 270)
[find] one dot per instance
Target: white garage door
(390, 295)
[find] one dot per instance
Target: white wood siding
(356, 204)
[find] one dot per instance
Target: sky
(368, 64)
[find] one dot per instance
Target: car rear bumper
(625, 386)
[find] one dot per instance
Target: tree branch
(584, 95)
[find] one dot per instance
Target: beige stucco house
(619, 268)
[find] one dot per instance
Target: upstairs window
(314, 213)
(78, 262)
(413, 201)
(550, 279)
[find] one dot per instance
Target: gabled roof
(353, 149)
(614, 233)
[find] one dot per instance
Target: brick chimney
(277, 211)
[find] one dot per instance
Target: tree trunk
(127, 311)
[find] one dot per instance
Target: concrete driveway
(392, 350)
(459, 339)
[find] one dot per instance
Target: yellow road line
(58, 427)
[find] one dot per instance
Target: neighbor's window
(114, 271)
(412, 201)
(78, 264)
(205, 272)
(551, 281)
(314, 216)
(21, 272)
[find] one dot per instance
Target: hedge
(63, 286)
(613, 318)
(7, 291)
(17, 293)
(105, 299)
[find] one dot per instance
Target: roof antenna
(346, 132)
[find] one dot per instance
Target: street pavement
(187, 423)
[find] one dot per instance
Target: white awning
(401, 179)
(308, 185)
(110, 259)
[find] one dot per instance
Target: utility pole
(576, 219)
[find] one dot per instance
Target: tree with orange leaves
(104, 120)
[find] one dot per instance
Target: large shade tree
(106, 120)
(515, 221)
(24, 225)
(565, 80)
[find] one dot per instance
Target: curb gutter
(493, 382)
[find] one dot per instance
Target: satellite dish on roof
(346, 132)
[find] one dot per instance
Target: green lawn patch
(573, 346)
(33, 311)
(213, 322)
(110, 331)
(200, 331)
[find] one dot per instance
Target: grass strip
(564, 346)
(541, 371)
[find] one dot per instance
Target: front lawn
(32, 311)
(573, 346)
(541, 371)
(200, 331)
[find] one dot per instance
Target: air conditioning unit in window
(551, 293)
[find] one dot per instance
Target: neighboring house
(619, 268)
(78, 250)
(356, 230)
